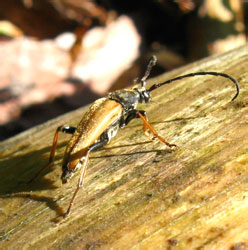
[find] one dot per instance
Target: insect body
(102, 121)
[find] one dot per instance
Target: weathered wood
(138, 193)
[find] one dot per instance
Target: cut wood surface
(138, 193)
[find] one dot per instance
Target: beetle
(102, 121)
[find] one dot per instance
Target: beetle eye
(146, 95)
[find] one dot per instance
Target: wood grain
(138, 193)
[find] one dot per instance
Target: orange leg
(147, 126)
(84, 160)
(65, 129)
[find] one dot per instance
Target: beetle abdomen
(99, 117)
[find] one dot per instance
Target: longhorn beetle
(102, 121)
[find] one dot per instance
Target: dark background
(178, 32)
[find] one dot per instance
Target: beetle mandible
(102, 121)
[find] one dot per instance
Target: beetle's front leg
(147, 125)
(84, 161)
(64, 129)
(132, 115)
(143, 115)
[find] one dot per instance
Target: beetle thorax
(129, 98)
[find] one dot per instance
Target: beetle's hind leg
(64, 129)
(84, 161)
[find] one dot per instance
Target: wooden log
(138, 193)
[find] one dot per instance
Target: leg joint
(66, 129)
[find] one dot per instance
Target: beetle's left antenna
(150, 65)
(155, 86)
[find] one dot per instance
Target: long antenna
(155, 86)
(150, 65)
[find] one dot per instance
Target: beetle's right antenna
(150, 65)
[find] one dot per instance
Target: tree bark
(138, 193)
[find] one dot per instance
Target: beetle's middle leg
(64, 129)
(84, 161)
(143, 115)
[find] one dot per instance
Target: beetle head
(144, 95)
